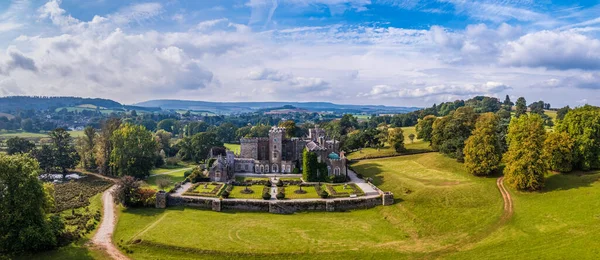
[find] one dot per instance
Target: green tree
(396, 139)
(520, 107)
(425, 128)
(290, 128)
(583, 126)
(201, 144)
(259, 131)
(312, 169)
(525, 161)
(482, 149)
(348, 123)
(104, 145)
(134, 151)
(24, 206)
(537, 107)
(170, 125)
(507, 105)
(19, 145)
(27, 125)
(558, 149)
(450, 133)
(226, 132)
(64, 153)
(86, 148)
(561, 113)
(411, 136)
(504, 118)
(163, 138)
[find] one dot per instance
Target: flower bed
(213, 189)
(338, 191)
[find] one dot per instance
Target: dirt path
(508, 203)
(103, 237)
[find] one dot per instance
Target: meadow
(414, 146)
(438, 205)
(172, 175)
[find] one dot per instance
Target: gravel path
(508, 203)
(103, 237)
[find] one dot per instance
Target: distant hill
(243, 107)
(15, 103)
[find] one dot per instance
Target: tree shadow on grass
(574, 180)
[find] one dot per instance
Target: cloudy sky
(391, 52)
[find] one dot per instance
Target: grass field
(416, 146)
(172, 175)
(438, 204)
(236, 192)
(311, 192)
(34, 135)
(233, 147)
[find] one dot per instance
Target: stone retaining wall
(279, 206)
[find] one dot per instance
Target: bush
(268, 183)
(187, 173)
(280, 183)
(296, 171)
(172, 161)
(225, 194)
(324, 194)
(266, 196)
(338, 179)
(280, 196)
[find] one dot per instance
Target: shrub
(279, 196)
(324, 194)
(146, 197)
(280, 183)
(296, 171)
(163, 183)
(266, 196)
(172, 161)
(225, 194)
(187, 173)
(268, 183)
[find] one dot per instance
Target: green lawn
(236, 192)
(438, 205)
(172, 175)
(311, 193)
(416, 146)
(34, 135)
(233, 147)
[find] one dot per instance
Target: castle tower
(275, 146)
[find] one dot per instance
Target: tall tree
(525, 161)
(583, 125)
(24, 207)
(537, 107)
(425, 128)
(561, 113)
(163, 138)
(201, 144)
(520, 107)
(65, 155)
(290, 128)
(396, 139)
(482, 149)
(134, 151)
(104, 145)
(507, 105)
(19, 145)
(348, 123)
(86, 148)
(451, 133)
(558, 149)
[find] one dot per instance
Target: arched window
(256, 168)
(289, 168)
(275, 168)
(275, 154)
(246, 167)
(328, 170)
(262, 169)
(336, 171)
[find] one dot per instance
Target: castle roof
(334, 156)
(312, 146)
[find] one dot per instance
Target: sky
(383, 52)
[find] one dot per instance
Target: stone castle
(278, 154)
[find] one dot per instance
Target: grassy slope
(233, 147)
(559, 223)
(173, 177)
(416, 145)
(444, 206)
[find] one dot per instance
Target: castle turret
(275, 146)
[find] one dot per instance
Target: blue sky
(404, 53)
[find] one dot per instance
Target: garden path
(103, 237)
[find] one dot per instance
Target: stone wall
(279, 206)
(249, 148)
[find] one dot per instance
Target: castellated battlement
(253, 139)
(276, 129)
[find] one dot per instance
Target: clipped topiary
(280, 196)
(324, 194)
(225, 194)
(266, 196)
(280, 183)
(268, 183)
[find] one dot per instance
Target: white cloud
(385, 91)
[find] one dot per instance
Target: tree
(163, 138)
(312, 169)
(126, 191)
(507, 105)
(348, 123)
(86, 148)
(168, 125)
(558, 149)
(65, 155)
(27, 125)
(504, 118)
(521, 107)
(425, 128)
(450, 133)
(226, 132)
(134, 151)
(396, 139)
(201, 144)
(290, 128)
(104, 145)
(482, 149)
(45, 158)
(411, 136)
(537, 107)
(259, 131)
(583, 126)
(19, 145)
(561, 113)
(525, 161)
(24, 206)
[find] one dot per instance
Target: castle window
(336, 171)
(218, 175)
(246, 167)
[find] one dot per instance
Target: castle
(278, 154)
